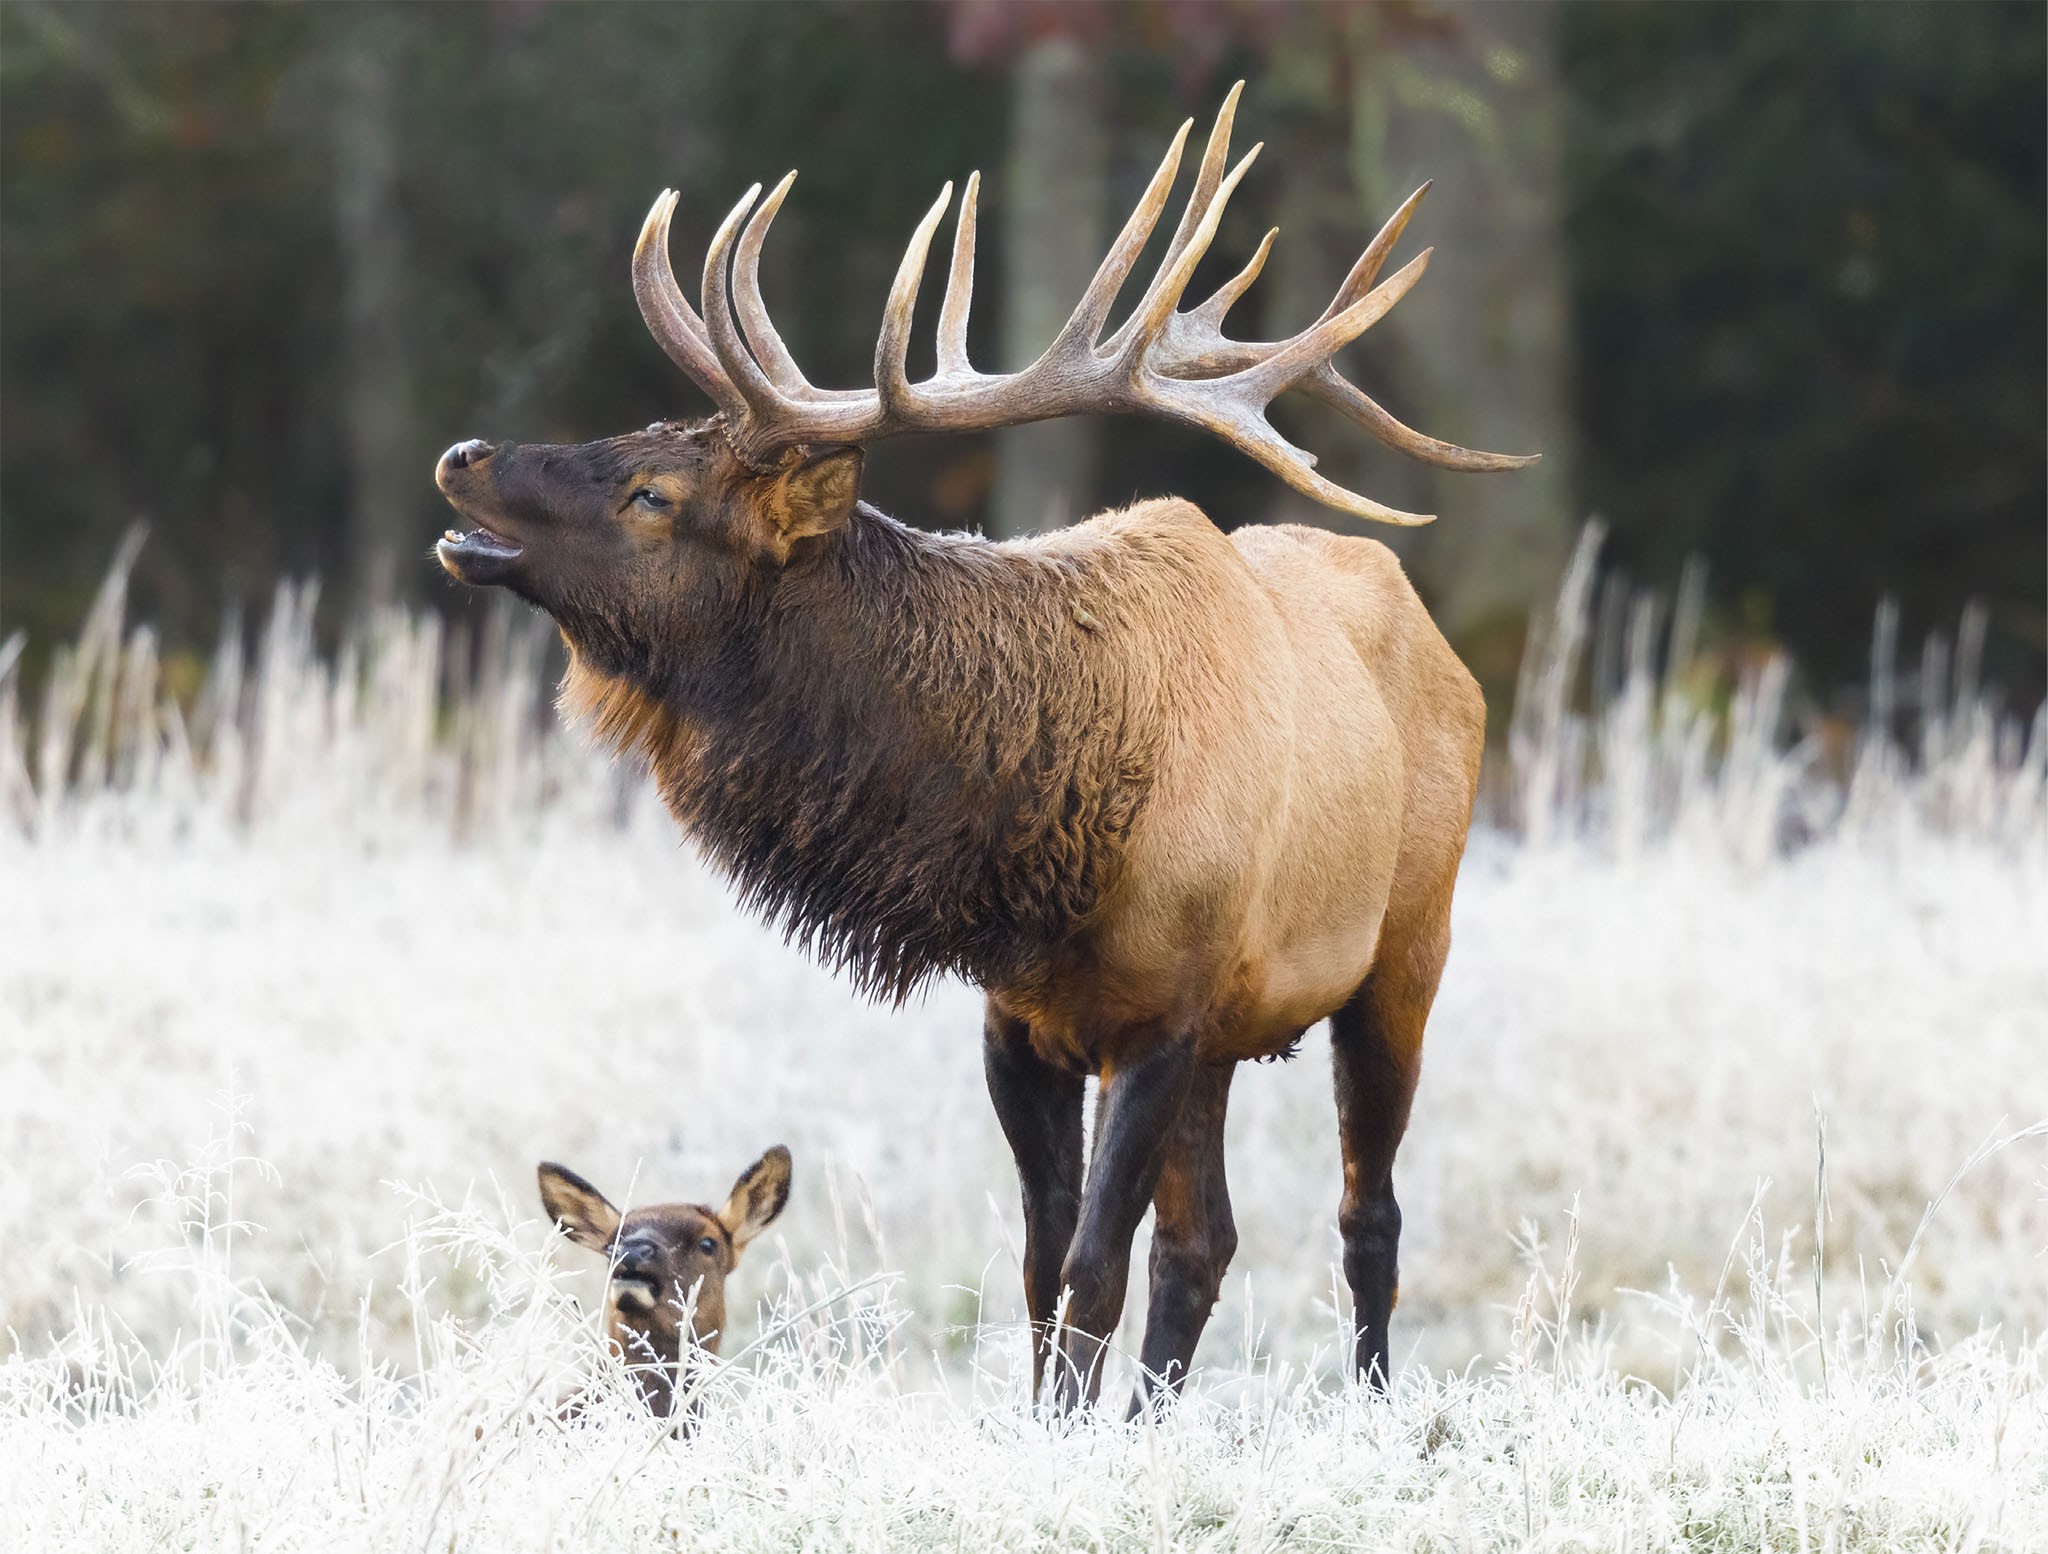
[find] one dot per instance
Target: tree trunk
(376, 398)
(1484, 340)
(1056, 187)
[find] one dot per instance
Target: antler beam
(1161, 361)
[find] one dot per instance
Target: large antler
(1161, 361)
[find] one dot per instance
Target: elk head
(669, 1263)
(632, 543)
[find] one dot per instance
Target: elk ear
(579, 1208)
(814, 494)
(757, 1197)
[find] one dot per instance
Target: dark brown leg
(1376, 1045)
(1039, 1107)
(1193, 1235)
(1137, 1107)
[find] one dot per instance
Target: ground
(360, 1035)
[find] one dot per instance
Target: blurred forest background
(1763, 282)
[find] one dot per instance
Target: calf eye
(649, 499)
(708, 1246)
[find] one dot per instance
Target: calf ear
(757, 1197)
(579, 1208)
(814, 494)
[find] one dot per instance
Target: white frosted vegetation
(814, 1439)
(423, 944)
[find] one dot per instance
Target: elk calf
(669, 1264)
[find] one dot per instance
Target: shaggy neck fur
(915, 753)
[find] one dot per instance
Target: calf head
(669, 1263)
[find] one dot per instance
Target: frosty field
(293, 1000)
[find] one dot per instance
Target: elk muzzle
(480, 556)
(637, 1277)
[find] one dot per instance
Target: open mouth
(478, 556)
(636, 1294)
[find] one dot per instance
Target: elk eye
(649, 499)
(708, 1246)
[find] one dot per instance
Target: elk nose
(464, 454)
(636, 1261)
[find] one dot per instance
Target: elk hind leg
(1193, 1235)
(1376, 1051)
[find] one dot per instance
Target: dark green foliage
(1807, 265)
(164, 267)
(172, 290)
(1806, 247)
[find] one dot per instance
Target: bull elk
(1168, 797)
(665, 1298)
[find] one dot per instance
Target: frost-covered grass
(814, 1439)
(1648, 1039)
(296, 991)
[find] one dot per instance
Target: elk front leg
(1136, 1109)
(1039, 1107)
(1193, 1235)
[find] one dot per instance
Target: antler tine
(1245, 427)
(1367, 269)
(893, 342)
(1317, 343)
(1233, 406)
(670, 319)
(1193, 348)
(1086, 321)
(759, 394)
(1226, 295)
(759, 329)
(1164, 294)
(1214, 157)
(1208, 178)
(1345, 500)
(1344, 396)
(959, 289)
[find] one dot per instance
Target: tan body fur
(1312, 746)
(1317, 759)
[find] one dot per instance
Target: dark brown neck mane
(914, 753)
